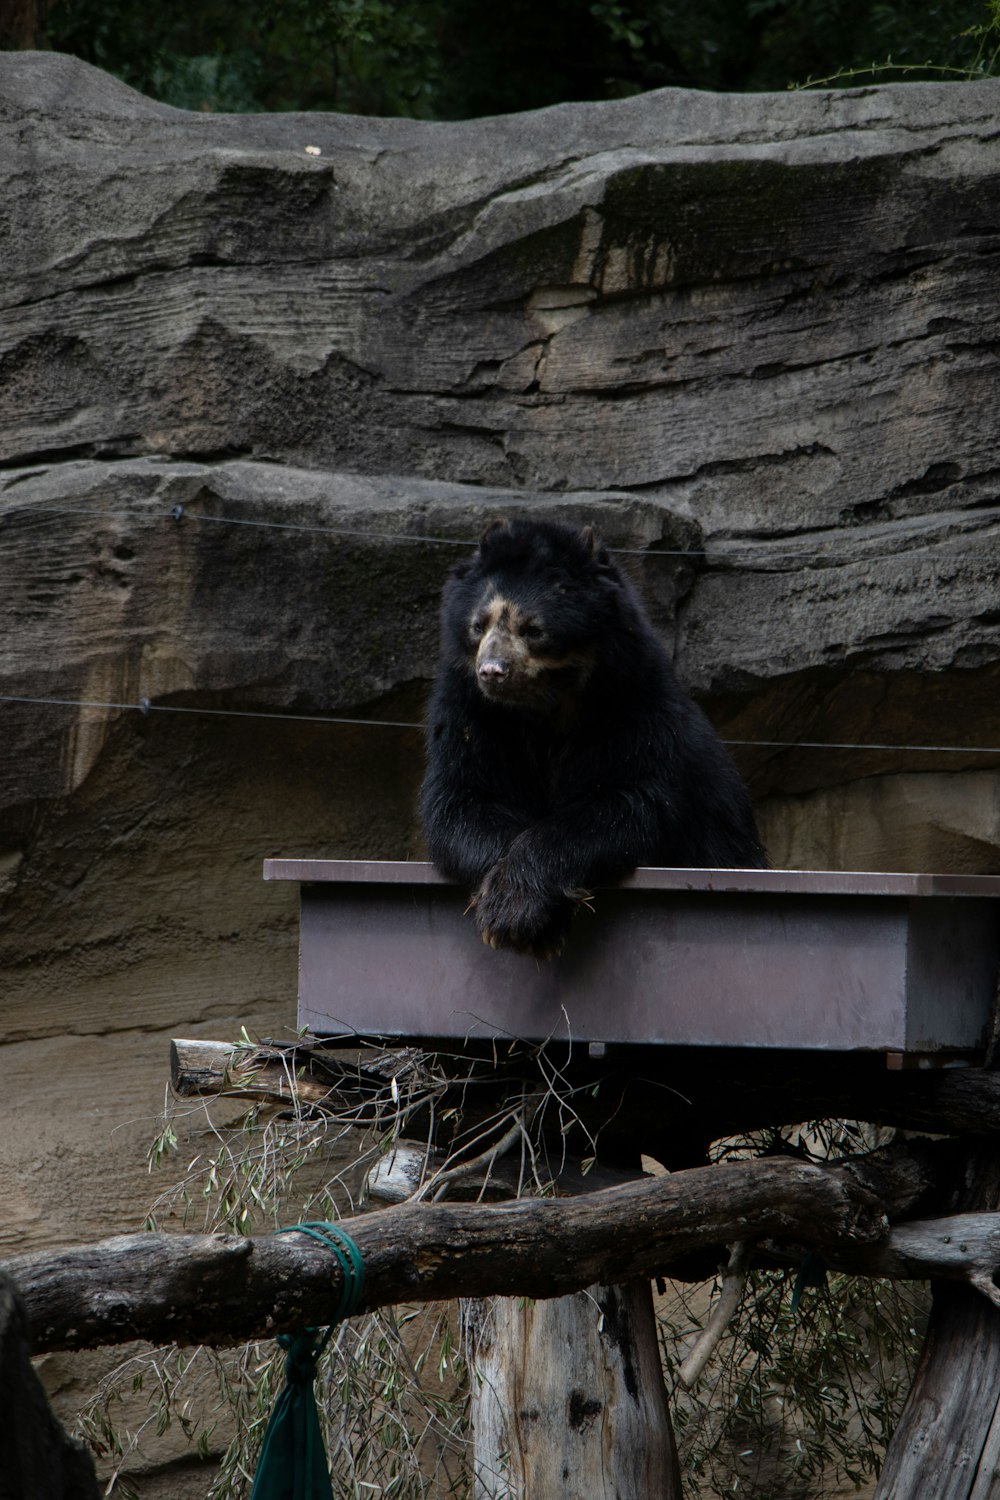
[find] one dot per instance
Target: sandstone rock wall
(257, 372)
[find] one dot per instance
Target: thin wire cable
(145, 706)
(835, 745)
(178, 514)
(381, 536)
(719, 555)
(385, 536)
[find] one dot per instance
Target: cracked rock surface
(251, 395)
(764, 327)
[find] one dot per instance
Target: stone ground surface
(754, 339)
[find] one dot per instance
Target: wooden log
(962, 1101)
(218, 1068)
(568, 1398)
(226, 1289)
(947, 1441)
(659, 1095)
(644, 1098)
(304, 1071)
(959, 1247)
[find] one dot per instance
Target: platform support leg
(568, 1398)
(947, 1442)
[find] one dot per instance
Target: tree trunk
(947, 1442)
(568, 1398)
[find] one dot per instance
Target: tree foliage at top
(458, 59)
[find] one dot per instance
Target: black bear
(562, 751)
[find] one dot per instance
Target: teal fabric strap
(292, 1463)
(340, 1244)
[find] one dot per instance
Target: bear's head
(526, 615)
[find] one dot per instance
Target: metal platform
(807, 960)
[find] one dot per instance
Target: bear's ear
(595, 546)
(493, 530)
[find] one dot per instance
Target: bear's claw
(531, 921)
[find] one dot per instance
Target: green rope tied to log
(292, 1463)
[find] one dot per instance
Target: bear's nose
(493, 669)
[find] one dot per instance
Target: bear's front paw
(513, 914)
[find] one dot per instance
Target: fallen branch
(302, 1072)
(227, 1289)
(733, 1278)
(398, 1176)
(479, 1167)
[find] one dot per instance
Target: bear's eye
(532, 632)
(478, 626)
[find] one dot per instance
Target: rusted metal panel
(737, 958)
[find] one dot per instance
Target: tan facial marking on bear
(504, 631)
(497, 612)
(579, 660)
(488, 616)
(500, 639)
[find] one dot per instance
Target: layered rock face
(260, 375)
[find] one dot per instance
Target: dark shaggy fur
(562, 751)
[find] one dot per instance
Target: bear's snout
(493, 669)
(505, 668)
